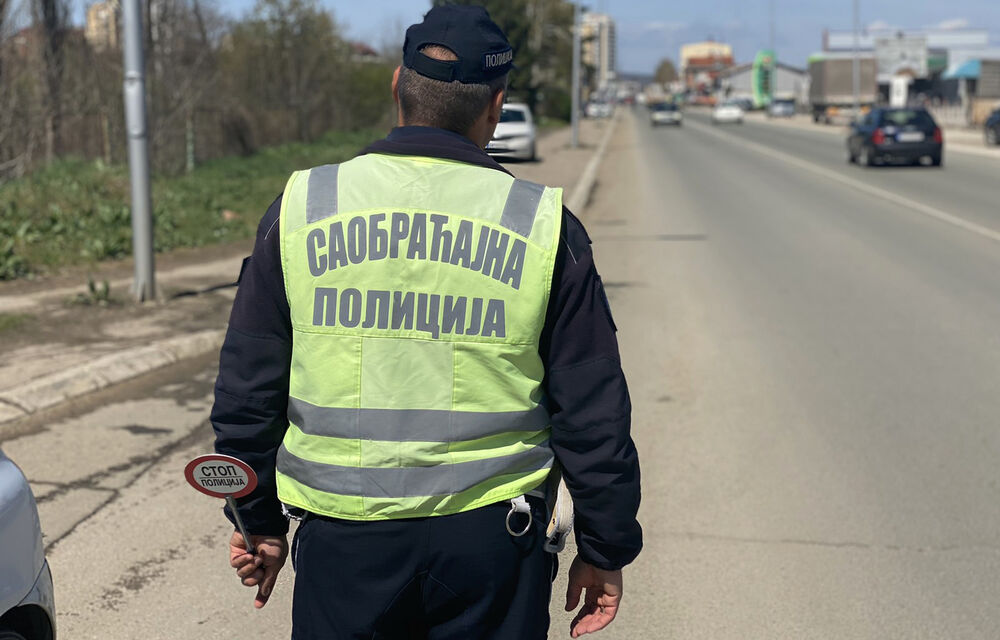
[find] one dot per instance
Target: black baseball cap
(482, 48)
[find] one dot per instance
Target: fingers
(599, 610)
(248, 568)
(266, 585)
(573, 590)
(592, 618)
(243, 559)
(237, 544)
(260, 569)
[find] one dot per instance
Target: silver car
(781, 109)
(515, 135)
(27, 605)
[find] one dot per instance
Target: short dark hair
(454, 106)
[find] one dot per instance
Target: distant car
(895, 136)
(992, 129)
(728, 112)
(597, 109)
(665, 113)
(27, 605)
(515, 135)
(781, 109)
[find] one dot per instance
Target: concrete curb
(53, 389)
(577, 200)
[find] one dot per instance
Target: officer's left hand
(604, 596)
(261, 569)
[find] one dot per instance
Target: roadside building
(702, 63)
(918, 64)
(101, 29)
(598, 50)
(979, 88)
(738, 82)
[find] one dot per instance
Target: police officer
(418, 337)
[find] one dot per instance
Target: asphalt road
(813, 354)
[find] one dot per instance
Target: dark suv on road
(992, 131)
(895, 136)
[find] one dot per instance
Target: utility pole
(144, 286)
(774, 58)
(856, 67)
(575, 118)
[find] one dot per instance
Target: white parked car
(515, 136)
(597, 109)
(27, 605)
(727, 112)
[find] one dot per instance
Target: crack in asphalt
(143, 463)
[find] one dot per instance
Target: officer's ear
(496, 106)
(395, 85)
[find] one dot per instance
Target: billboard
(902, 55)
(762, 79)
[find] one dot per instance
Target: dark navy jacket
(584, 384)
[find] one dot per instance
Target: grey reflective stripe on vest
(321, 200)
(408, 482)
(521, 207)
(410, 425)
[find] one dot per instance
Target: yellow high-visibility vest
(418, 290)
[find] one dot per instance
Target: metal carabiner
(518, 505)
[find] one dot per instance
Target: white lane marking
(858, 185)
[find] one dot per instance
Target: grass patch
(13, 321)
(77, 211)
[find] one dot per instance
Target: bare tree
(4, 5)
(52, 18)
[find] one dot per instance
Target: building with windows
(599, 48)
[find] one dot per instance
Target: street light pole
(774, 57)
(575, 117)
(856, 67)
(144, 287)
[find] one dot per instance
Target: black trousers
(456, 577)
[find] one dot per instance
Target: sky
(649, 30)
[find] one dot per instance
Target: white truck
(831, 86)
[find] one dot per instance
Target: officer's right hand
(604, 595)
(259, 570)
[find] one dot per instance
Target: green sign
(762, 78)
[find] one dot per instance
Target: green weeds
(75, 211)
(97, 295)
(13, 321)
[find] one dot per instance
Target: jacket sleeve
(591, 411)
(251, 391)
